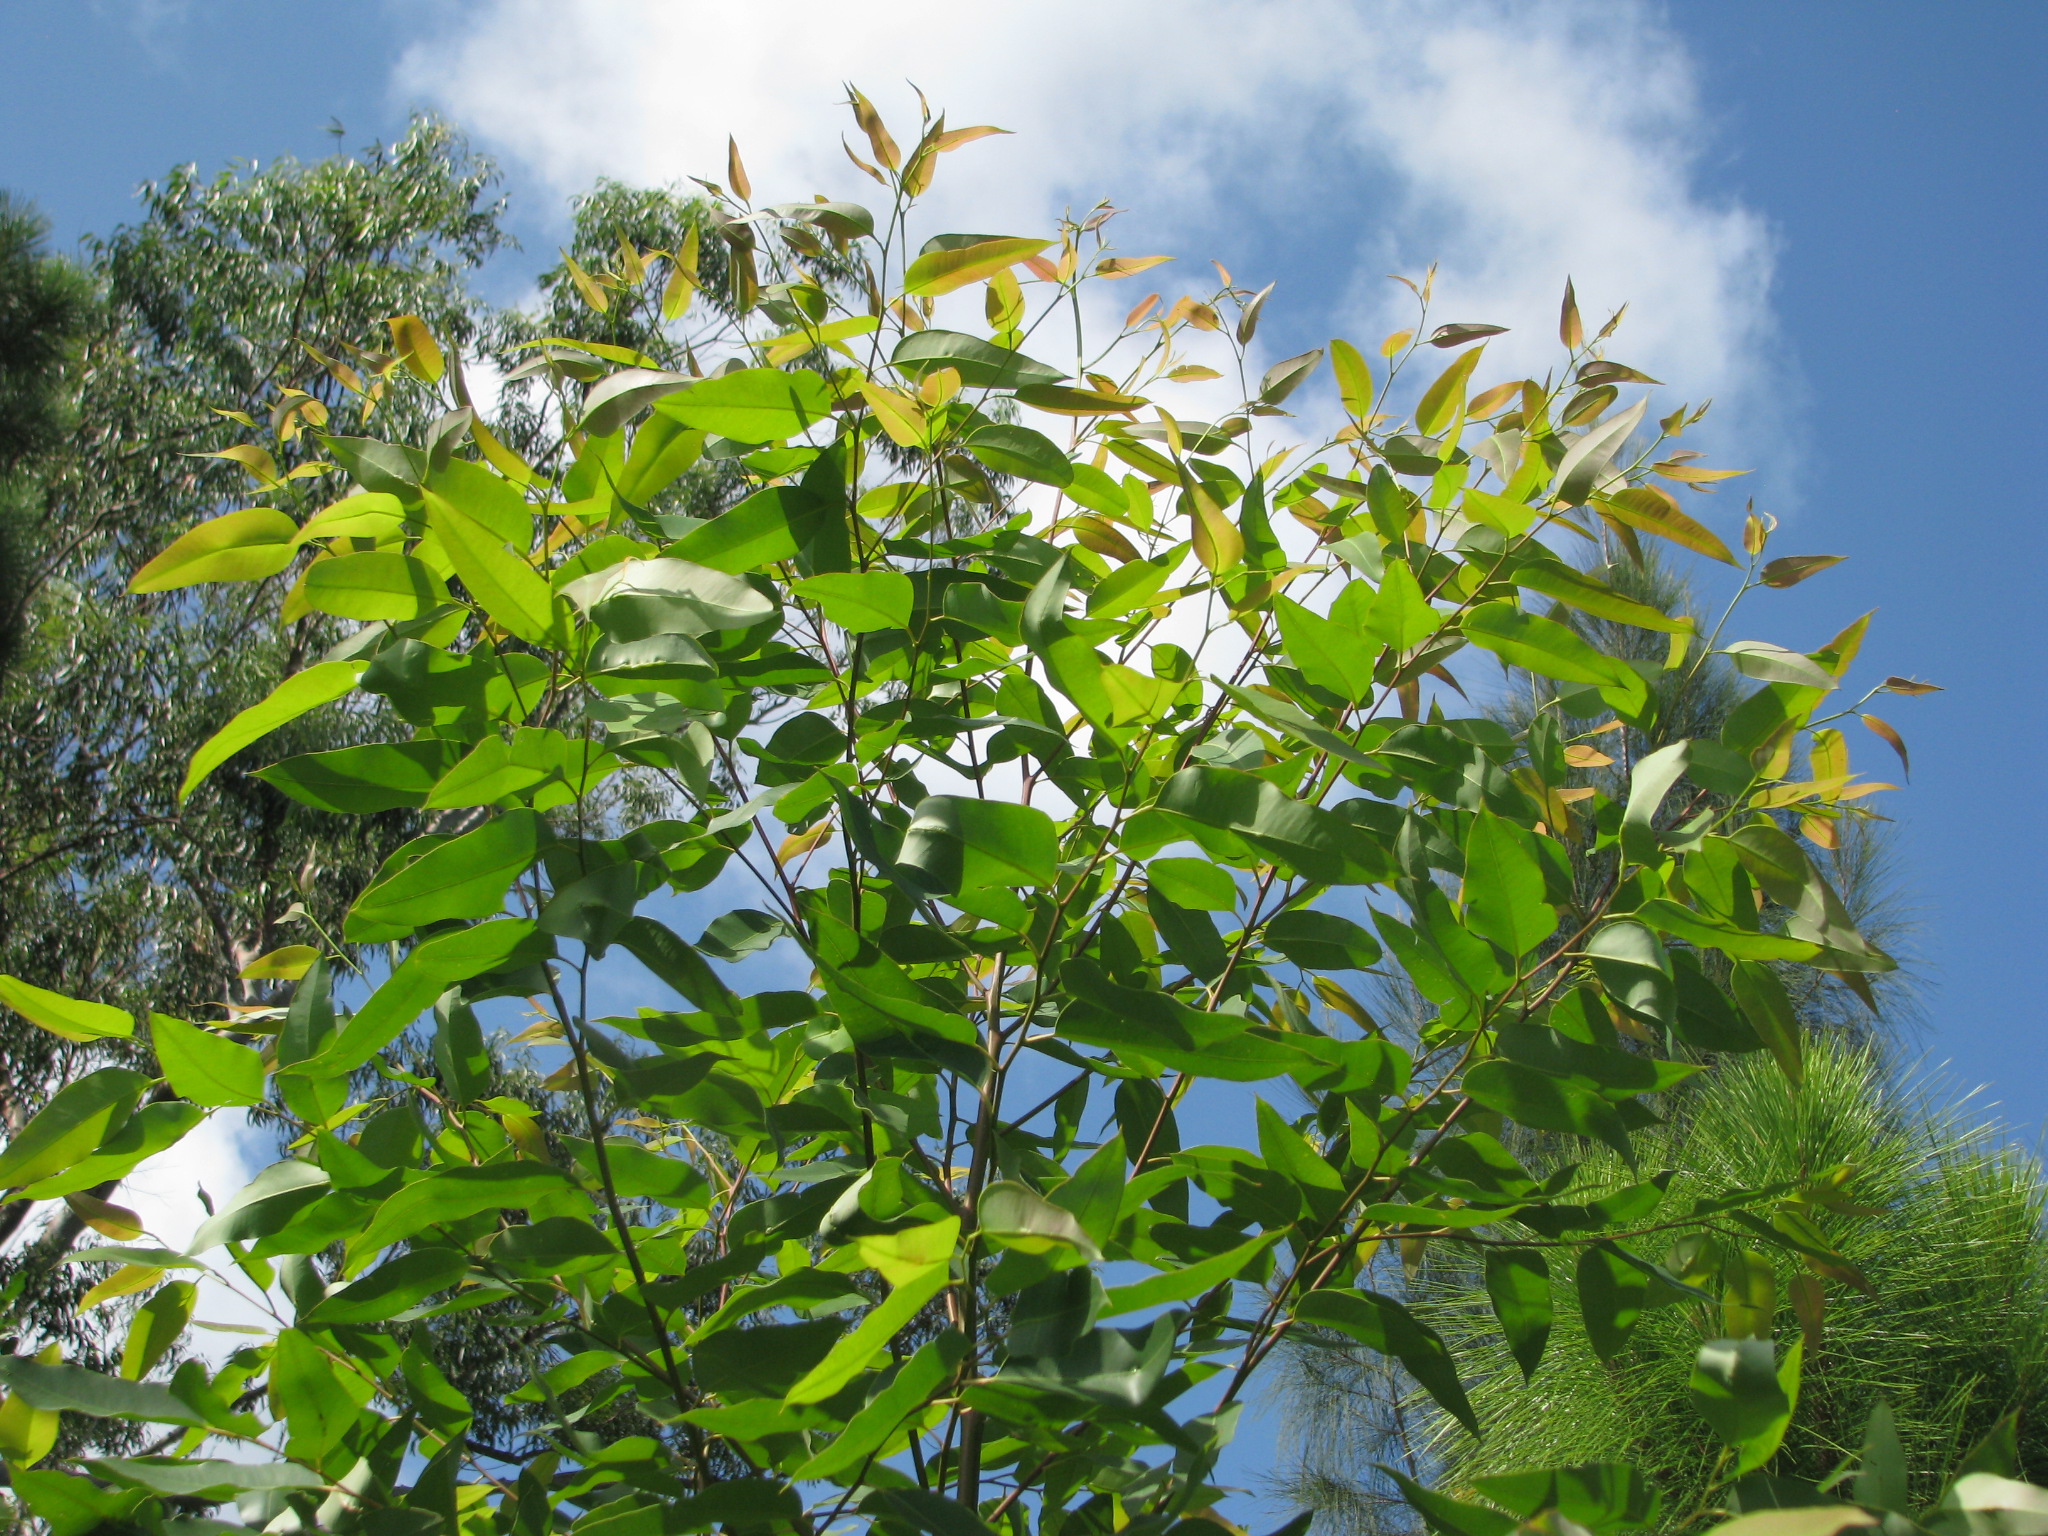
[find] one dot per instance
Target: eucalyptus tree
(258, 296)
(954, 692)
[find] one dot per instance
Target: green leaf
(1286, 1152)
(1197, 1279)
(1315, 842)
(1328, 654)
(150, 1130)
(239, 546)
(1763, 1000)
(1401, 615)
(858, 1350)
(298, 694)
(861, 602)
(1540, 645)
(77, 1119)
(1386, 1326)
(1546, 1103)
(1649, 781)
(308, 1392)
(205, 1067)
(980, 364)
(70, 1389)
(264, 1204)
(753, 405)
(1518, 1285)
(956, 844)
(496, 768)
(1770, 663)
(215, 1481)
(914, 1509)
(619, 397)
(554, 1245)
(672, 960)
(375, 584)
(943, 270)
(426, 972)
(735, 935)
(381, 776)
(157, 1324)
(1739, 1389)
(1589, 463)
(1634, 970)
(68, 1018)
(1193, 883)
(761, 530)
(1445, 399)
(1019, 451)
(389, 1289)
(1322, 941)
(514, 594)
(467, 876)
(449, 1196)
(1783, 869)
(1013, 1215)
(1667, 916)
(637, 599)
(920, 1378)
(1588, 595)
(1612, 1293)
(1504, 888)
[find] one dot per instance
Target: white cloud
(1329, 141)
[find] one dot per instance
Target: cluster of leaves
(849, 1249)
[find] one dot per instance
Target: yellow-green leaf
(510, 590)
(1446, 397)
(942, 271)
(204, 1067)
(239, 546)
(295, 696)
(66, 1017)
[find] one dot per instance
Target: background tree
(45, 304)
(213, 313)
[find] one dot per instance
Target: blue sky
(1827, 214)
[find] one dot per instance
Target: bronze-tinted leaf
(1790, 570)
(1459, 332)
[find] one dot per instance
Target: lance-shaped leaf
(514, 595)
(69, 1018)
(618, 399)
(203, 1066)
(1612, 1293)
(78, 1117)
(298, 694)
(861, 602)
(374, 584)
(1741, 1389)
(1446, 397)
(1589, 463)
(753, 405)
(1013, 1215)
(237, 546)
(981, 364)
(390, 1288)
(1518, 1285)
(71, 1389)
(957, 844)
(1652, 510)
(463, 878)
(946, 268)
(1385, 1325)
(1504, 889)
